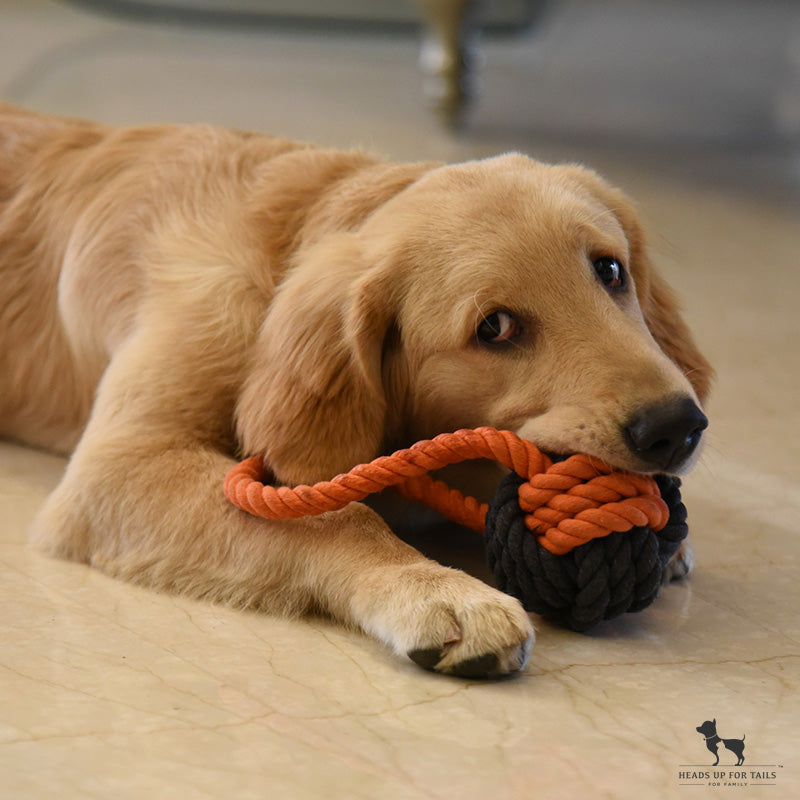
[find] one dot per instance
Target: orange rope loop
(566, 503)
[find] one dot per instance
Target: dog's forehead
(506, 226)
(515, 196)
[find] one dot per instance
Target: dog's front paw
(680, 565)
(487, 639)
(449, 622)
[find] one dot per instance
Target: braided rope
(600, 580)
(567, 503)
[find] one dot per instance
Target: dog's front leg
(152, 511)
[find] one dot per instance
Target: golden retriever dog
(173, 298)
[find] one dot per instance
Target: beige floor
(107, 691)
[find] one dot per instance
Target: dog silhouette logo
(709, 731)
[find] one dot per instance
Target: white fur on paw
(680, 565)
(449, 622)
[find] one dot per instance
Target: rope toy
(573, 540)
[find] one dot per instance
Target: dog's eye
(498, 328)
(611, 272)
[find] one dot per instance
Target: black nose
(663, 436)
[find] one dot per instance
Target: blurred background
(696, 90)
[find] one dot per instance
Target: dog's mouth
(617, 465)
(661, 438)
(566, 432)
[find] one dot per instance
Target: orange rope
(566, 503)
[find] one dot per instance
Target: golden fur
(172, 298)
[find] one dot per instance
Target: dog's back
(35, 356)
(79, 206)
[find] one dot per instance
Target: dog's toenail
(427, 658)
(479, 667)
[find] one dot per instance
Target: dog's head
(708, 728)
(503, 292)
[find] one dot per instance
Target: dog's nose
(663, 436)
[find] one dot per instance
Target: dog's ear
(660, 306)
(658, 302)
(313, 402)
(662, 315)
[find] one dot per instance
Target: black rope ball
(599, 580)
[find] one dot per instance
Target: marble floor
(109, 691)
